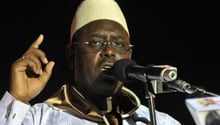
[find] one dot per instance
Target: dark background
(182, 34)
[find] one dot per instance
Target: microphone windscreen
(119, 69)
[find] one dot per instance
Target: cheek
(86, 65)
(80, 65)
(123, 56)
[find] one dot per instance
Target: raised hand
(28, 77)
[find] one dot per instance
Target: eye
(95, 43)
(118, 44)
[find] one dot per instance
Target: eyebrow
(103, 36)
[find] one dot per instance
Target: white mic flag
(199, 108)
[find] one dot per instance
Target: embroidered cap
(91, 10)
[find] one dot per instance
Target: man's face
(100, 44)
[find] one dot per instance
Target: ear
(70, 55)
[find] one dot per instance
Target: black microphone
(180, 86)
(127, 69)
(185, 87)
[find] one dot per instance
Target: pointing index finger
(38, 41)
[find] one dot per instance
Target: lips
(106, 72)
(106, 66)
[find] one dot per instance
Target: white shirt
(14, 112)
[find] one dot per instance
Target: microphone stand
(148, 95)
(151, 102)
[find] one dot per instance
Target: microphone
(183, 86)
(127, 69)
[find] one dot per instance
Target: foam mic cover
(119, 69)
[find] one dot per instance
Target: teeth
(106, 67)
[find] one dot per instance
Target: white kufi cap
(91, 10)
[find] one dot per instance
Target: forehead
(104, 26)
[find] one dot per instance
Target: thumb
(47, 72)
(49, 67)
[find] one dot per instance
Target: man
(99, 37)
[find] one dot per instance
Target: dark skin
(24, 87)
(89, 78)
(87, 66)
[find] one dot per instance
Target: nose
(108, 51)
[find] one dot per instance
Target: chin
(106, 86)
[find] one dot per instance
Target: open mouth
(106, 66)
(106, 69)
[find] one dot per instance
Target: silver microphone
(126, 69)
(164, 73)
